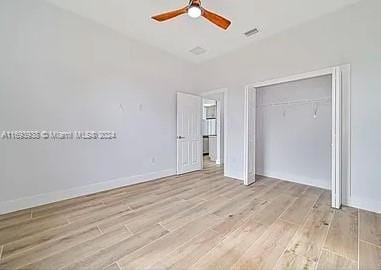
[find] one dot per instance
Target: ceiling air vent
(251, 32)
(197, 51)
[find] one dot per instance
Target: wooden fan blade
(216, 19)
(170, 15)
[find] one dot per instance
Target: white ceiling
(182, 34)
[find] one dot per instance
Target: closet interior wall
(293, 131)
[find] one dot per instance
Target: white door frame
(223, 91)
(335, 72)
(249, 178)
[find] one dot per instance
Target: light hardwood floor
(200, 220)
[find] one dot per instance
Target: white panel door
(189, 137)
(251, 108)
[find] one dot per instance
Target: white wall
(61, 72)
(351, 35)
(291, 143)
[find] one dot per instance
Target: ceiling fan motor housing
(194, 9)
(196, 3)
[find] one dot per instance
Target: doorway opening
(200, 131)
(209, 132)
(214, 131)
(300, 134)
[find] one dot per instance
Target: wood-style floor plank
(113, 266)
(329, 260)
(14, 218)
(145, 216)
(232, 191)
(25, 228)
(56, 207)
(309, 239)
(276, 189)
(236, 203)
(143, 222)
(49, 248)
(266, 251)
(225, 254)
(370, 256)
(313, 192)
(188, 254)
(68, 211)
(181, 218)
(25, 243)
(200, 220)
(299, 210)
(296, 189)
(291, 261)
(275, 208)
(87, 248)
(152, 253)
(113, 253)
(370, 229)
(25, 213)
(203, 190)
(236, 218)
(342, 237)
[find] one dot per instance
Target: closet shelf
(298, 102)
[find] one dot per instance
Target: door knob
(180, 137)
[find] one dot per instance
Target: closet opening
(293, 130)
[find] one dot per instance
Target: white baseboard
(232, 175)
(373, 206)
(309, 182)
(45, 198)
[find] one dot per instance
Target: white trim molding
(50, 197)
(296, 77)
(363, 203)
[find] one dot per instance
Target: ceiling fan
(195, 10)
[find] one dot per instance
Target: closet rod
(296, 102)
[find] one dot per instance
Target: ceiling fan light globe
(194, 12)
